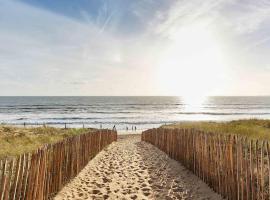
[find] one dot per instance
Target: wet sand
(132, 169)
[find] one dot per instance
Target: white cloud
(232, 27)
(43, 53)
(249, 17)
(60, 56)
(234, 16)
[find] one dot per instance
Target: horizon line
(129, 96)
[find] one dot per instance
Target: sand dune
(131, 169)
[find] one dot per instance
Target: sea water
(127, 112)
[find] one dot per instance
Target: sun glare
(193, 102)
(192, 64)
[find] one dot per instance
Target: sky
(144, 47)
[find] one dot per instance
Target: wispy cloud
(234, 15)
(240, 30)
(249, 17)
(48, 51)
(117, 51)
(50, 48)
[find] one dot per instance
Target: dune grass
(251, 128)
(15, 141)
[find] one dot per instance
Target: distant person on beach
(114, 129)
(135, 128)
(127, 128)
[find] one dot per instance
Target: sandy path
(131, 169)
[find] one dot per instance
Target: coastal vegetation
(15, 141)
(251, 128)
(235, 167)
(43, 172)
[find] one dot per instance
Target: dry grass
(15, 141)
(252, 128)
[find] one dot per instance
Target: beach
(132, 169)
(147, 100)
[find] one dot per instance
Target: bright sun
(192, 65)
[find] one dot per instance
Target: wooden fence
(41, 174)
(233, 166)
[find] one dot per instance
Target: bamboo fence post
(8, 175)
(17, 191)
(262, 171)
(41, 174)
(257, 171)
(235, 167)
(268, 168)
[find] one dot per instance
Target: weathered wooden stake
(41, 174)
(235, 167)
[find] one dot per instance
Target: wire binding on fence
(234, 166)
(41, 174)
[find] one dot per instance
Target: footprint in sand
(131, 169)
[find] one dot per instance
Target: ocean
(142, 112)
